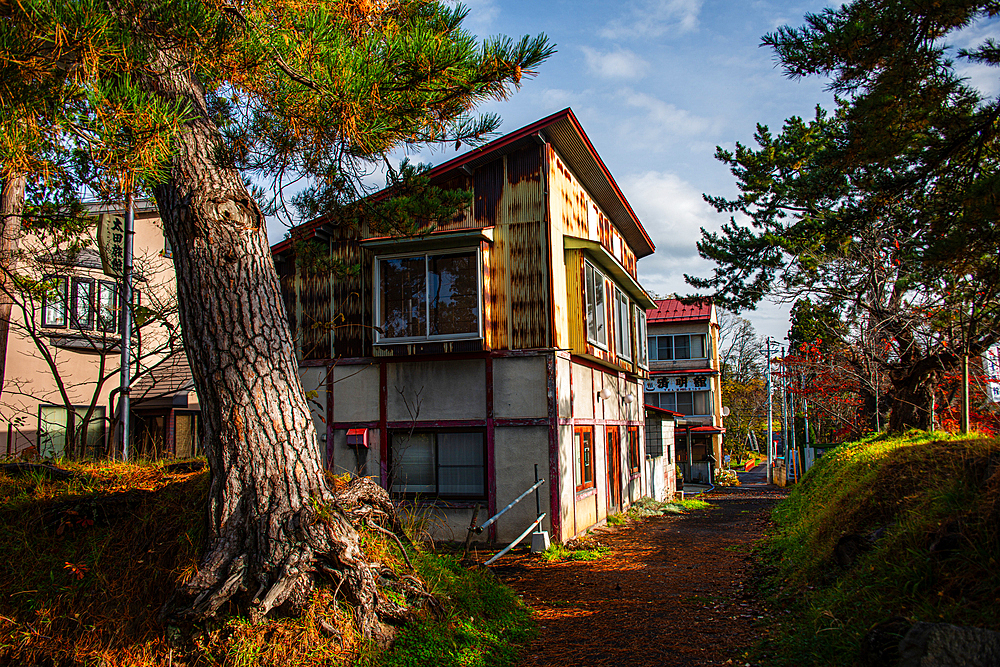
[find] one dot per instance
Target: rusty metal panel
(575, 309)
(523, 198)
(528, 268)
(499, 280)
(488, 183)
(351, 302)
(464, 218)
(314, 327)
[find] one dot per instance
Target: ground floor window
(583, 437)
(439, 463)
(62, 431)
(633, 449)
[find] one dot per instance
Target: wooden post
(472, 528)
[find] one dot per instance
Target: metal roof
(564, 132)
(675, 310)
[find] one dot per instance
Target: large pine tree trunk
(11, 209)
(265, 544)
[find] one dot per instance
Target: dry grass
(88, 563)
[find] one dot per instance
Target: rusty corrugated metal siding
(314, 323)
(463, 219)
(529, 293)
(488, 183)
(351, 309)
(499, 279)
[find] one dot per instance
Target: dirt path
(670, 592)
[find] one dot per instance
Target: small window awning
(356, 431)
(661, 412)
(434, 241)
(610, 264)
(708, 430)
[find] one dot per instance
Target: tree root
(276, 573)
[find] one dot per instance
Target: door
(614, 459)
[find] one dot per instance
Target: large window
(623, 325)
(684, 402)
(428, 296)
(57, 426)
(54, 303)
(640, 337)
(583, 437)
(439, 463)
(681, 346)
(596, 316)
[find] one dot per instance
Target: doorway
(614, 461)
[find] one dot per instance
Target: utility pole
(770, 416)
(125, 303)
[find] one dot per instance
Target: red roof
(707, 429)
(663, 410)
(674, 310)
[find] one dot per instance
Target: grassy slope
(80, 588)
(904, 495)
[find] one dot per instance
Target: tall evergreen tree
(186, 99)
(885, 211)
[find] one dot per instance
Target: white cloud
(655, 125)
(617, 64)
(673, 213)
(654, 18)
(482, 15)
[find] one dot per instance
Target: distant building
(60, 384)
(684, 378)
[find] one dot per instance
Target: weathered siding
(581, 217)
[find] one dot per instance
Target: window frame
(381, 339)
(623, 320)
(102, 286)
(642, 344)
(62, 293)
(634, 451)
(581, 466)
(436, 494)
(74, 320)
(673, 347)
(590, 289)
(99, 418)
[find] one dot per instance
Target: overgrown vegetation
(88, 563)
(881, 528)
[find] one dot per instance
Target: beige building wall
(39, 359)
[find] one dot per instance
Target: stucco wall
(355, 393)
(520, 387)
(437, 390)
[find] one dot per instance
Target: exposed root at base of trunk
(313, 543)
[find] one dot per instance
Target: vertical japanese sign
(111, 241)
(991, 369)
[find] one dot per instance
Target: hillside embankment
(880, 535)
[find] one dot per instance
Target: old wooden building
(455, 361)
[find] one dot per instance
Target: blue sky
(657, 85)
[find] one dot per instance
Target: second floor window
(597, 332)
(680, 346)
(623, 324)
(684, 402)
(640, 337)
(429, 296)
(80, 303)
